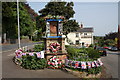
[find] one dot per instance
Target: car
(110, 47)
(106, 47)
(102, 51)
(114, 49)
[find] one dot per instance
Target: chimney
(81, 25)
(118, 28)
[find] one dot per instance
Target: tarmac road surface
(11, 70)
(111, 63)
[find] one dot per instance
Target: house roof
(88, 29)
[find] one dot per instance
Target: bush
(94, 70)
(66, 46)
(83, 54)
(71, 52)
(93, 54)
(32, 62)
(38, 47)
(91, 45)
(25, 37)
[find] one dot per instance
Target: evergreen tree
(59, 8)
(70, 26)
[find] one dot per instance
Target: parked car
(114, 49)
(106, 47)
(102, 51)
(110, 47)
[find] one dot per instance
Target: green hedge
(32, 62)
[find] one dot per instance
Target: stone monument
(54, 38)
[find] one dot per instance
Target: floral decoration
(54, 47)
(54, 62)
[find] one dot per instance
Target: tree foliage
(101, 41)
(9, 19)
(70, 26)
(58, 8)
(111, 35)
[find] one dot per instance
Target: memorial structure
(54, 38)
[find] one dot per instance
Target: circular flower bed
(30, 60)
(83, 60)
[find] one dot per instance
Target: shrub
(83, 53)
(38, 47)
(32, 62)
(67, 46)
(94, 70)
(93, 54)
(91, 45)
(71, 52)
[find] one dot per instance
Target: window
(77, 34)
(77, 42)
(85, 33)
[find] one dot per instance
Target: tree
(58, 8)
(27, 20)
(111, 35)
(70, 26)
(100, 41)
(9, 20)
(109, 42)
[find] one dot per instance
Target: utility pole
(118, 37)
(18, 24)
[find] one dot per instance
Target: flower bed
(30, 60)
(83, 60)
(84, 69)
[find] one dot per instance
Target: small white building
(83, 36)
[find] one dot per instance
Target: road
(15, 46)
(111, 63)
(11, 70)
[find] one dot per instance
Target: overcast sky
(102, 16)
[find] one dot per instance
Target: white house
(83, 36)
